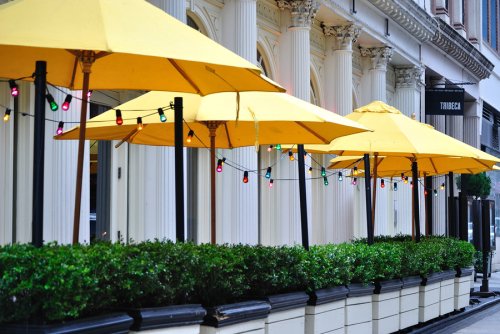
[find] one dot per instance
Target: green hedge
(56, 282)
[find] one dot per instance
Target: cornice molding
(432, 30)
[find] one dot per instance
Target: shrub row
(57, 282)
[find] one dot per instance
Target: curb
(439, 324)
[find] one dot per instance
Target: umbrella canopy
(392, 166)
(126, 44)
(138, 46)
(261, 118)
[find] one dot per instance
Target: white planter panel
(325, 318)
(408, 319)
(461, 301)
(358, 310)
(409, 301)
(253, 327)
(386, 325)
(446, 306)
(428, 312)
(447, 289)
(190, 329)
(289, 321)
(429, 294)
(385, 305)
(365, 327)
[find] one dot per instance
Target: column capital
(303, 11)
(379, 56)
(408, 76)
(345, 35)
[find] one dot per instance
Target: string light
(406, 179)
(278, 147)
(14, 89)
(140, 126)
(119, 119)
(271, 183)
(219, 166)
(323, 171)
(395, 186)
(340, 176)
(66, 103)
(425, 192)
(60, 127)
(411, 184)
(290, 156)
(354, 181)
(223, 160)
(355, 171)
(6, 117)
(435, 192)
(382, 183)
(268, 173)
(163, 118)
(325, 180)
(270, 148)
(402, 176)
(305, 154)
(53, 105)
(190, 135)
(310, 171)
(89, 93)
(442, 186)
(245, 177)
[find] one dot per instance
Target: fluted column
(332, 220)
(7, 164)
(379, 58)
(439, 207)
(407, 100)
(295, 72)
(176, 8)
(472, 123)
(237, 202)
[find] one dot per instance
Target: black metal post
(452, 221)
(179, 170)
(303, 198)
(414, 170)
(428, 204)
(39, 153)
(368, 200)
(486, 245)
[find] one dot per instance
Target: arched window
(261, 63)
(190, 22)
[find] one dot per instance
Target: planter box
(462, 288)
(409, 301)
(429, 296)
(358, 309)
(185, 319)
(385, 306)
(446, 298)
(245, 317)
(287, 313)
(115, 323)
(325, 311)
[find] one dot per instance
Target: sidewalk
(483, 317)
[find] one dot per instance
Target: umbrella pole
(414, 170)
(179, 169)
(38, 157)
(87, 58)
(369, 226)
(303, 198)
(212, 127)
(374, 190)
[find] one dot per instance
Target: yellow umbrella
(126, 44)
(263, 118)
(393, 134)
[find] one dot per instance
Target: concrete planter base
(409, 301)
(385, 306)
(447, 288)
(429, 296)
(287, 313)
(462, 288)
(358, 309)
(325, 312)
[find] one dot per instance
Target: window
(490, 22)
(262, 63)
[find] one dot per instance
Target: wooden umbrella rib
(185, 76)
(126, 138)
(227, 135)
(433, 166)
(324, 140)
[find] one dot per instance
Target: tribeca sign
(444, 101)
